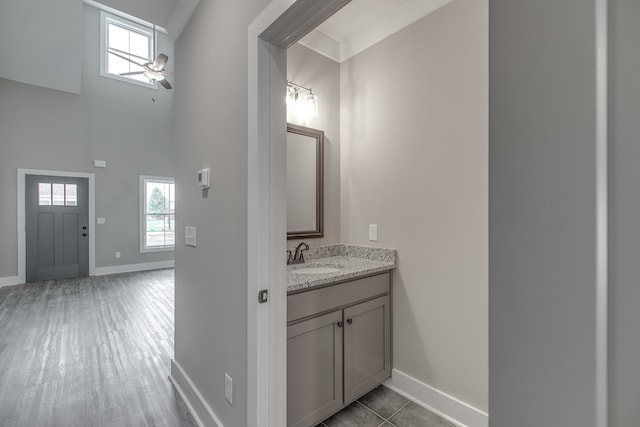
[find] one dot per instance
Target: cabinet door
(367, 347)
(314, 369)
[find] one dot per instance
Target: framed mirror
(305, 182)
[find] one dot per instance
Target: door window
(53, 194)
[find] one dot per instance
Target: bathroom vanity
(338, 330)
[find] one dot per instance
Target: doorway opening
(54, 209)
(278, 27)
(57, 214)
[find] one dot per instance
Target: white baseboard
(452, 409)
(102, 271)
(199, 408)
(128, 268)
(9, 281)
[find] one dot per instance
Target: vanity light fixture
(302, 100)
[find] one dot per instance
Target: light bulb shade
(301, 102)
(312, 105)
(154, 75)
(291, 95)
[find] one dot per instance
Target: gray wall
(210, 129)
(624, 211)
(113, 121)
(310, 69)
(542, 201)
(52, 29)
(414, 151)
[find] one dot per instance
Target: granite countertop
(350, 262)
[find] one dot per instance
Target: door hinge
(263, 296)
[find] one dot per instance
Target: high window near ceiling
(157, 213)
(122, 42)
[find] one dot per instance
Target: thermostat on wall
(203, 178)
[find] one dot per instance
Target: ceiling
(55, 30)
(363, 23)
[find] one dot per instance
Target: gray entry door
(57, 227)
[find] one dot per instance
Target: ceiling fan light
(154, 75)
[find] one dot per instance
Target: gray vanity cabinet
(338, 346)
(367, 352)
(314, 369)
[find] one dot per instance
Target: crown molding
(179, 17)
(374, 32)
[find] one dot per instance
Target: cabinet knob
(339, 324)
(349, 321)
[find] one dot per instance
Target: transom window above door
(53, 194)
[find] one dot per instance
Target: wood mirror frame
(318, 135)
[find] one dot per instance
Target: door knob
(85, 234)
(84, 228)
(349, 321)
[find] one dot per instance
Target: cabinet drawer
(319, 300)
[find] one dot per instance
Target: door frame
(22, 232)
(279, 25)
(266, 323)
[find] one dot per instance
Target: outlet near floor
(117, 254)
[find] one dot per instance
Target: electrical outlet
(117, 254)
(228, 388)
(373, 232)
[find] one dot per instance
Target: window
(122, 40)
(51, 194)
(157, 214)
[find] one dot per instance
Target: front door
(56, 227)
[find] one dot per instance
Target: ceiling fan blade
(126, 59)
(165, 83)
(128, 53)
(133, 73)
(160, 61)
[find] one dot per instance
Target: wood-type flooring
(93, 351)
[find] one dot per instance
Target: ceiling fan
(152, 70)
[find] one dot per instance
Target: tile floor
(385, 408)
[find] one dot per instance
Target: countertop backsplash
(355, 251)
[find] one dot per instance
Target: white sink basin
(316, 270)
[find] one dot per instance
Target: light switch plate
(190, 236)
(373, 232)
(101, 220)
(99, 163)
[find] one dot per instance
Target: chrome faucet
(298, 256)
